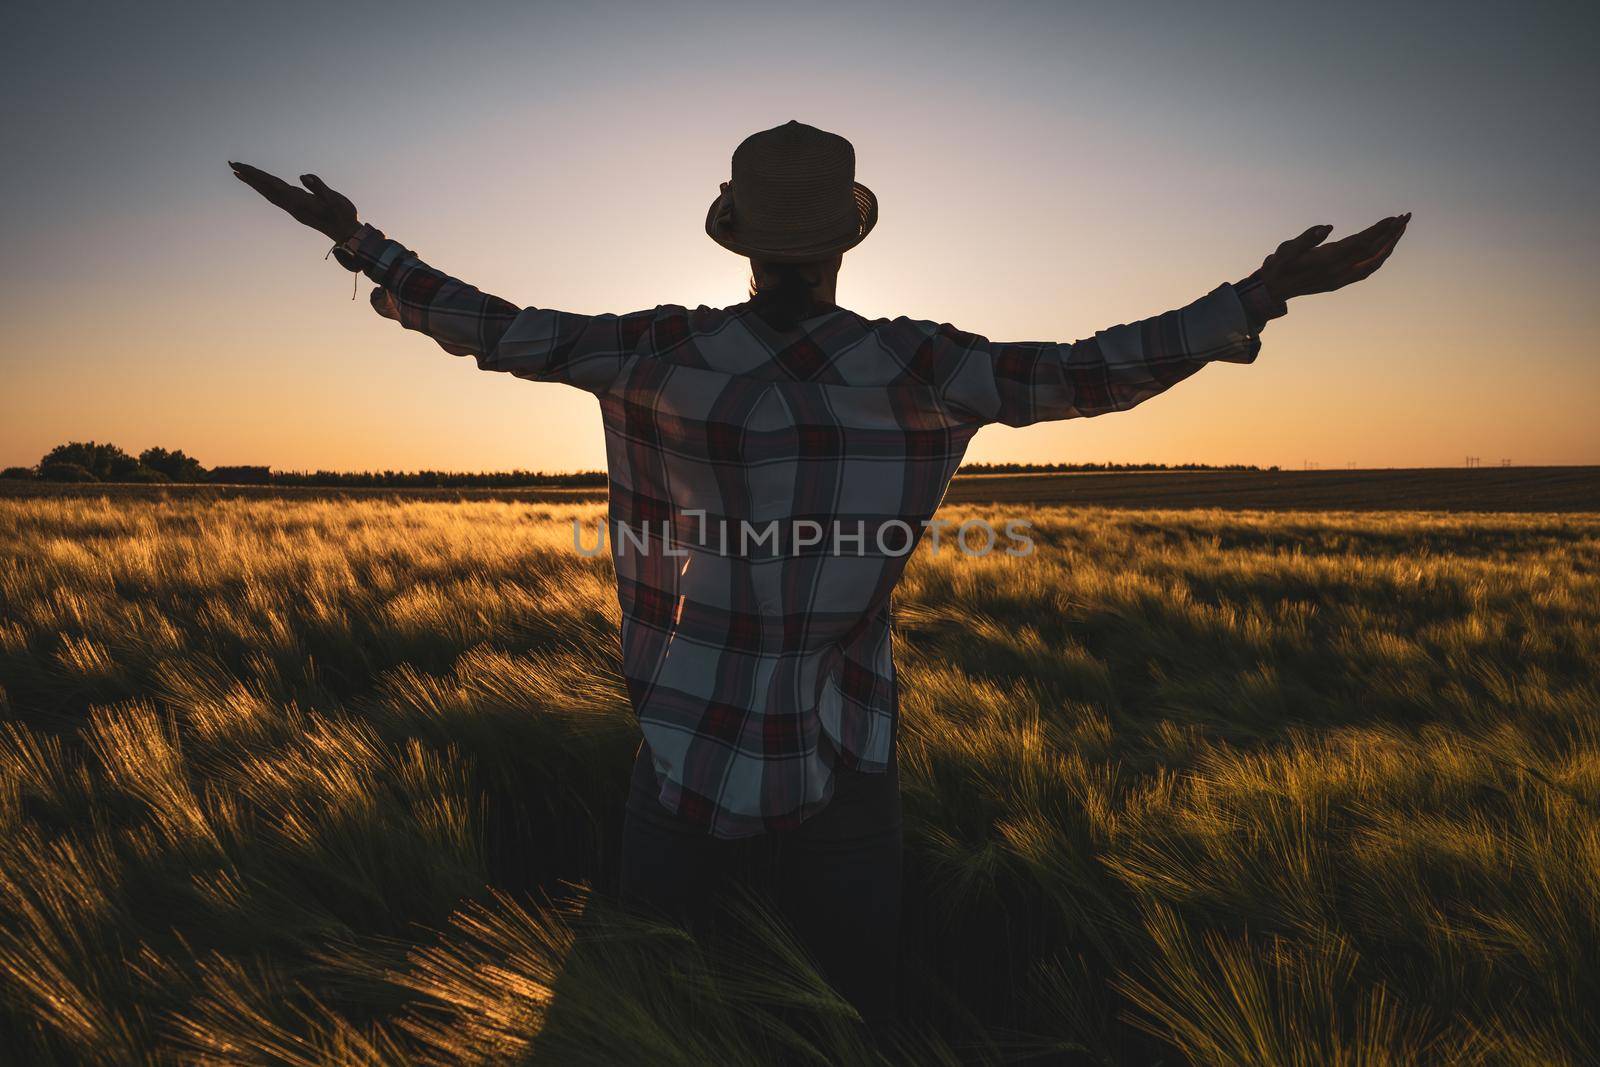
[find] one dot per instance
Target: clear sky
(1044, 170)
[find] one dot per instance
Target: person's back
(772, 465)
(767, 489)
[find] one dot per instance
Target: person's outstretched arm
(535, 343)
(1018, 383)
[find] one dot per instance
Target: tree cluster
(93, 461)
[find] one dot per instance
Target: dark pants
(837, 876)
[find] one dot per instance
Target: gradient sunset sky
(1044, 170)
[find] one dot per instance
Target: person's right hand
(1305, 265)
(329, 213)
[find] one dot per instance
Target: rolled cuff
(370, 252)
(1260, 306)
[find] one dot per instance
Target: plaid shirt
(756, 660)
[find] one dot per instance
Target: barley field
(339, 781)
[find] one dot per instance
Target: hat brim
(866, 212)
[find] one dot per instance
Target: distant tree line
(91, 461)
(1054, 468)
(437, 479)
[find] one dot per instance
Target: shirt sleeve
(539, 344)
(1023, 382)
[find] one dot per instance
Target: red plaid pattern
(755, 671)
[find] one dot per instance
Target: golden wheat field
(299, 781)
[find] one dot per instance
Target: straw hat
(793, 197)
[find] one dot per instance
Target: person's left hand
(329, 213)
